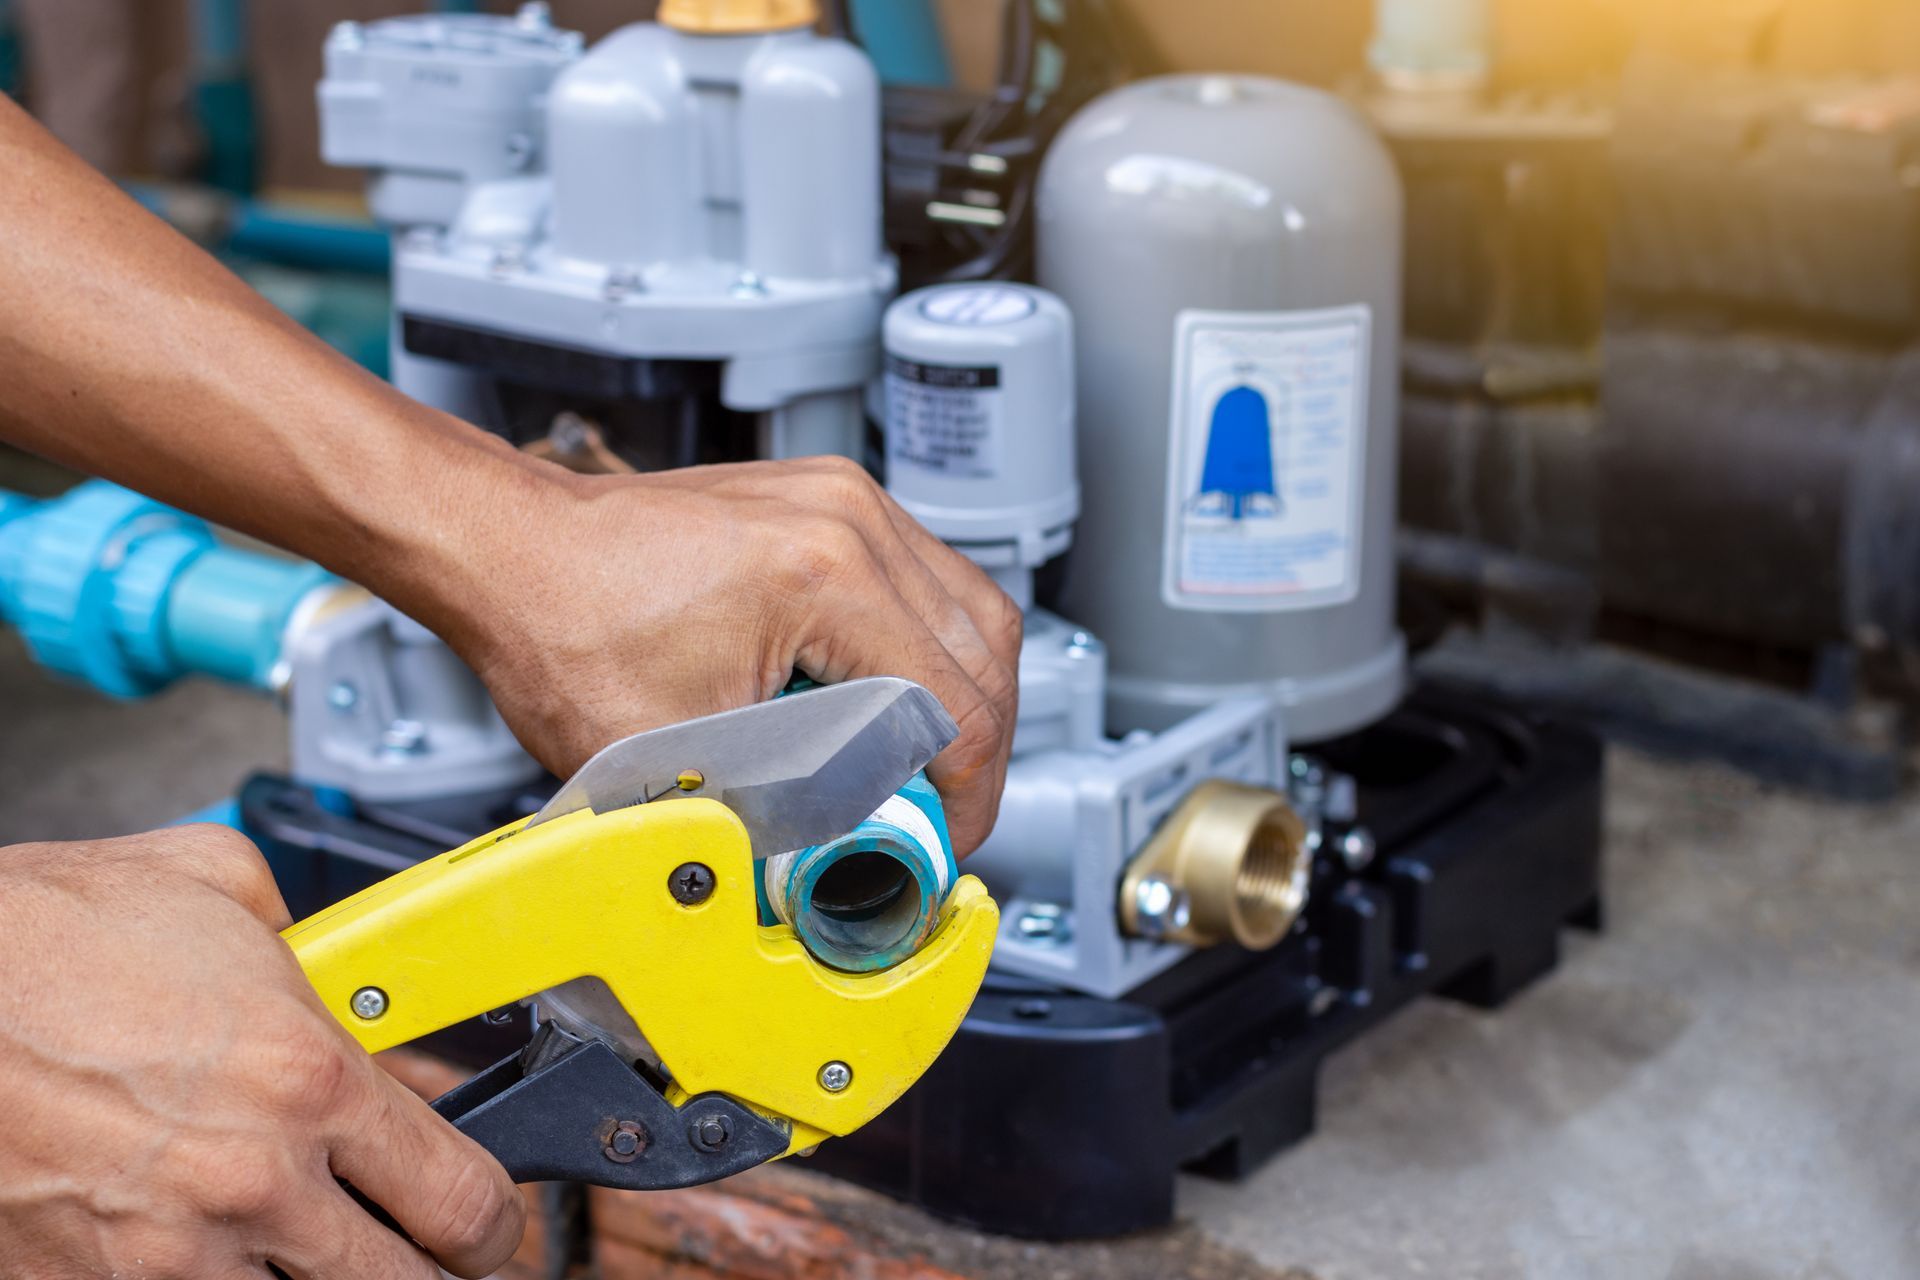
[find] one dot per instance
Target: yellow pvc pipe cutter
(709, 1043)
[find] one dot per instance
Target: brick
(754, 1227)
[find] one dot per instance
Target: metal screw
(691, 883)
(626, 1142)
(405, 737)
(369, 1003)
(690, 780)
(1160, 908)
(342, 696)
(1357, 848)
(709, 1132)
(498, 1017)
(622, 281)
(749, 285)
(835, 1076)
(1046, 922)
(1081, 645)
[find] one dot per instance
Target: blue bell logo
(1237, 481)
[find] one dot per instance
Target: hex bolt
(835, 1076)
(369, 1003)
(1160, 908)
(709, 1132)
(691, 883)
(1357, 848)
(1047, 923)
(404, 738)
(626, 1142)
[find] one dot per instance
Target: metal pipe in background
(223, 95)
(9, 50)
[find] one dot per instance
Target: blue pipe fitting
(904, 40)
(128, 595)
(870, 899)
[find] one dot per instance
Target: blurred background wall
(112, 76)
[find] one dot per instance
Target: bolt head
(1160, 907)
(1045, 922)
(404, 738)
(1357, 848)
(369, 1003)
(710, 1132)
(626, 1142)
(835, 1077)
(343, 696)
(691, 883)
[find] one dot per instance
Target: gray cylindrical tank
(1230, 249)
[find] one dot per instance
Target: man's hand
(593, 608)
(179, 1103)
(625, 603)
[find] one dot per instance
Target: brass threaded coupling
(738, 17)
(1238, 854)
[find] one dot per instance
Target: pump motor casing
(1229, 247)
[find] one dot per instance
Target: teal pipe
(128, 595)
(270, 231)
(903, 38)
(9, 50)
(223, 95)
(291, 238)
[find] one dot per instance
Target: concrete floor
(1724, 1087)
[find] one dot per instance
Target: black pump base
(1060, 1116)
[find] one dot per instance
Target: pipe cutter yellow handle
(763, 1046)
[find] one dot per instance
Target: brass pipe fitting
(1236, 859)
(738, 17)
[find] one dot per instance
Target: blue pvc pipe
(903, 38)
(128, 595)
(9, 49)
(291, 238)
(223, 96)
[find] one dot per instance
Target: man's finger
(447, 1192)
(870, 630)
(333, 1236)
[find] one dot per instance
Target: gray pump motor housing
(1229, 247)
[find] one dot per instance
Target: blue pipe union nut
(870, 899)
(127, 594)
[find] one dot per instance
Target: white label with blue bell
(1266, 476)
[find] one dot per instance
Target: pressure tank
(1229, 247)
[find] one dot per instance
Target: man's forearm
(132, 354)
